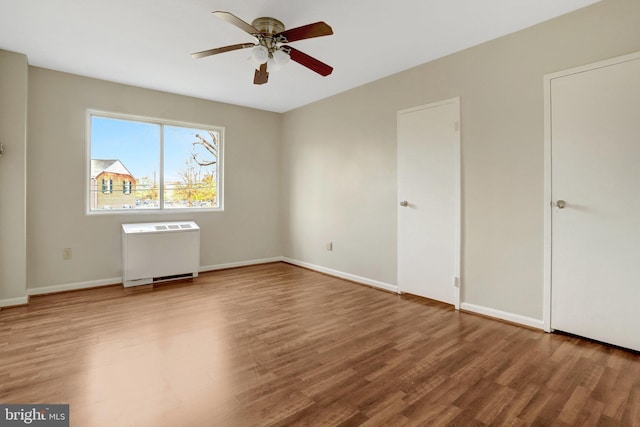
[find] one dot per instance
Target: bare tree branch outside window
(211, 146)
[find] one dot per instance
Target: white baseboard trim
(239, 264)
(10, 302)
(503, 315)
(74, 286)
(118, 280)
(342, 275)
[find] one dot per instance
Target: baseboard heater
(155, 252)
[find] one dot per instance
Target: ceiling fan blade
(308, 61)
(221, 50)
(261, 76)
(234, 20)
(309, 31)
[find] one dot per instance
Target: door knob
(404, 203)
(560, 204)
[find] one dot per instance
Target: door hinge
(456, 126)
(456, 282)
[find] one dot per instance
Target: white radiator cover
(159, 251)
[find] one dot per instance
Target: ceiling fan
(270, 49)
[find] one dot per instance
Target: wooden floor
(279, 345)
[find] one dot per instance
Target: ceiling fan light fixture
(272, 65)
(281, 58)
(260, 54)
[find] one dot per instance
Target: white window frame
(161, 122)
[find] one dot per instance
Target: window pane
(125, 159)
(190, 167)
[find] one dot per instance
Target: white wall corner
(343, 275)
(503, 315)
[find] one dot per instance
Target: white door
(595, 185)
(428, 204)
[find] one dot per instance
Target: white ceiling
(147, 43)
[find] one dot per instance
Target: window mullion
(161, 187)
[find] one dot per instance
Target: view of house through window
(128, 171)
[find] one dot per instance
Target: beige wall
(339, 157)
(248, 229)
(13, 196)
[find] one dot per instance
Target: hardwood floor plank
(278, 345)
(494, 405)
(575, 405)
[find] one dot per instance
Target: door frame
(457, 280)
(548, 179)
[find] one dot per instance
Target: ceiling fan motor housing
(268, 26)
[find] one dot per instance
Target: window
(107, 185)
(159, 165)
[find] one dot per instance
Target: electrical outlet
(330, 246)
(66, 253)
